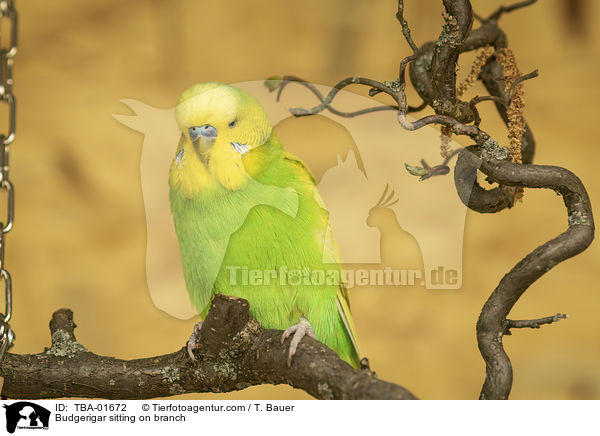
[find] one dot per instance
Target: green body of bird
(250, 222)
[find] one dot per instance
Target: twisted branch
(577, 237)
(433, 74)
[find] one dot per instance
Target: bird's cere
(205, 131)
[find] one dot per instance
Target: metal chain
(8, 15)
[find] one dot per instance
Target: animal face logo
(381, 217)
(24, 414)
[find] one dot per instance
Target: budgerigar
(251, 224)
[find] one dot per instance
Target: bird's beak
(204, 141)
(202, 146)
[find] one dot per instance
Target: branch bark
(459, 19)
(235, 353)
(492, 322)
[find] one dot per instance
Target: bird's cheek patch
(240, 148)
(179, 157)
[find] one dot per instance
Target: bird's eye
(233, 124)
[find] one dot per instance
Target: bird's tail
(343, 305)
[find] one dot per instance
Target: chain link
(8, 15)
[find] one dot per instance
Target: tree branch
(235, 353)
(503, 9)
(577, 237)
(459, 19)
(432, 71)
(532, 323)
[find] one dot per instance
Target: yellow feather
(227, 166)
(189, 174)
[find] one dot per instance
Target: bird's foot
(299, 331)
(192, 343)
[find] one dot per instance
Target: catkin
(445, 139)
(516, 120)
(482, 57)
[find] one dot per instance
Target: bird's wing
(288, 157)
(332, 254)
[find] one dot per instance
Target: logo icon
(26, 415)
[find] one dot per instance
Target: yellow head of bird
(214, 115)
(220, 124)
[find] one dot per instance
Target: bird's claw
(299, 330)
(192, 343)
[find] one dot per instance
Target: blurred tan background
(79, 238)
